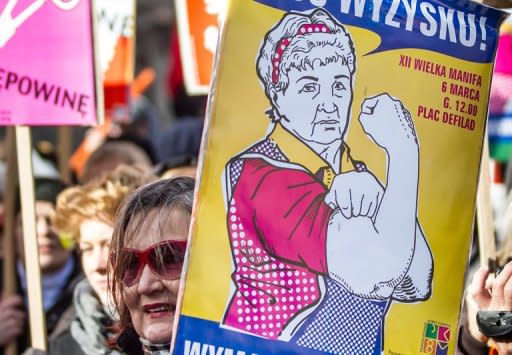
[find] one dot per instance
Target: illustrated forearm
(395, 222)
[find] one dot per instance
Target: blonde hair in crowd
(98, 199)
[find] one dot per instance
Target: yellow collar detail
(301, 154)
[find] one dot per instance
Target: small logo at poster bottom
(436, 337)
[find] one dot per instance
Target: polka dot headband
(285, 42)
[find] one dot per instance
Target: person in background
(87, 213)
(60, 270)
(154, 21)
(179, 166)
(487, 292)
(143, 129)
(183, 136)
(112, 154)
(148, 248)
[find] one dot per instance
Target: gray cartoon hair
(337, 46)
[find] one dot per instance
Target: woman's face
(95, 237)
(316, 104)
(152, 300)
(52, 254)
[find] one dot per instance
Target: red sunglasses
(165, 259)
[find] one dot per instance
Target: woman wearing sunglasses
(147, 252)
(87, 214)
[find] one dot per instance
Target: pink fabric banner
(504, 55)
(47, 69)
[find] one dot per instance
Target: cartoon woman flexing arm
(320, 247)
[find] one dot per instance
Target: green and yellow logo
(436, 337)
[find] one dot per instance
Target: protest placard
(47, 68)
(198, 28)
(343, 219)
(116, 28)
(48, 76)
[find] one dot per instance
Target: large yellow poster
(338, 180)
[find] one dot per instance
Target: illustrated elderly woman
(320, 248)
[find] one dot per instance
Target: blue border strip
(196, 334)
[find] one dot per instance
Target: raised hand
(12, 319)
(387, 122)
(490, 294)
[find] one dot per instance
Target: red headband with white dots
(285, 42)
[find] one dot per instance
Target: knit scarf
(155, 349)
(89, 327)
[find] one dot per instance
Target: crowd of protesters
(111, 251)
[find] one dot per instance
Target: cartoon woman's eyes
(308, 88)
(339, 86)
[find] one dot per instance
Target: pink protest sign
(47, 65)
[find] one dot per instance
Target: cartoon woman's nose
(328, 106)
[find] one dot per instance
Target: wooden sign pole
(486, 241)
(64, 152)
(485, 221)
(33, 272)
(9, 245)
(499, 4)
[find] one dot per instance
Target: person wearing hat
(60, 270)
